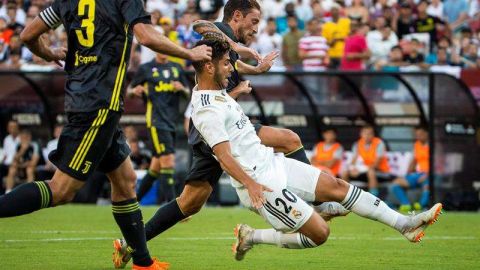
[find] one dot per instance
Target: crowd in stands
(311, 34)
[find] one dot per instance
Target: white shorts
(293, 184)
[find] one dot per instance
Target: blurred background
(419, 67)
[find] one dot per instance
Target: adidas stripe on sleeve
(50, 18)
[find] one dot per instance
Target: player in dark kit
(99, 39)
(160, 83)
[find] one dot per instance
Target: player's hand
(178, 86)
(201, 53)
(244, 87)
(246, 52)
(138, 90)
(255, 191)
(267, 62)
(58, 54)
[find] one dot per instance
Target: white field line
(441, 238)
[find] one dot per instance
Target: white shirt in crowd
(10, 148)
(219, 118)
(380, 48)
(273, 8)
(20, 16)
(166, 7)
(266, 43)
(147, 55)
(314, 46)
(435, 11)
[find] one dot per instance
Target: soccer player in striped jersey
(99, 37)
(161, 84)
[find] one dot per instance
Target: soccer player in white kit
(271, 185)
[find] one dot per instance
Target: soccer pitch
(79, 237)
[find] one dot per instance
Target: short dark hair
(329, 128)
(396, 47)
(422, 127)
(219, 49)
(368, 126)
(244, 6)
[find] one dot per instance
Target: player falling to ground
(99, 38)
(276, 187)
(160, 82)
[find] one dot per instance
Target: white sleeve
(210, 122)
(188, 110)
(50, 18)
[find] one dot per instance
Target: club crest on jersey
(297, 214)
(221, 99)
(155, 72)
(166, 73)
(242, 122)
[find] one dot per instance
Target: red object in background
(6, 35)
(354, 44)
(471, 77)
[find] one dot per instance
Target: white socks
(366, 205)
(284, 240)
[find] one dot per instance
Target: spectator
(336, 32)
(167, 26)
(273, 8)
(48, 170)
(9, 146)
(381, 40)
(186, 35)
(140, 159)
(303, 10)
(24, 162)
(379, 8)
(403, 22)
(15, 23)
(268, 41)
(290, 56)
(14, 61)
(358, 10)
(417, 176)
(426, 23)
(33, 11)
(456, 13)
(443, 43)
(395, 60)
(132, 134)
(3, 53)
(209, 9)
(282, 22)
(356, 50)
(170, 8)
(414, 54)
(13, 11)
(313, 48)
(328, 154)
(435, 9)
(5, 32)
(372, 151)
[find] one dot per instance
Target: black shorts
(90, 141)
(204, 166)
(163, 141)
(381, 177)
(257, 127)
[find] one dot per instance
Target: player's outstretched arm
(32, 37)
(264, 65)
(209, 30)
(233, 168)
(151, 38)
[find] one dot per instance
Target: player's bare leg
(366, 205)
(284, 141)
(150, 177)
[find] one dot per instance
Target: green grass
(41, 241)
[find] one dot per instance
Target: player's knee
(291, 139)
(321, 235)
(62, 193)
(189, 205)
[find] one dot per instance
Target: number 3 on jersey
(87, 22)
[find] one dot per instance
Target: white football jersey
(219, 118)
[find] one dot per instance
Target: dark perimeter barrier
(307, 102)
